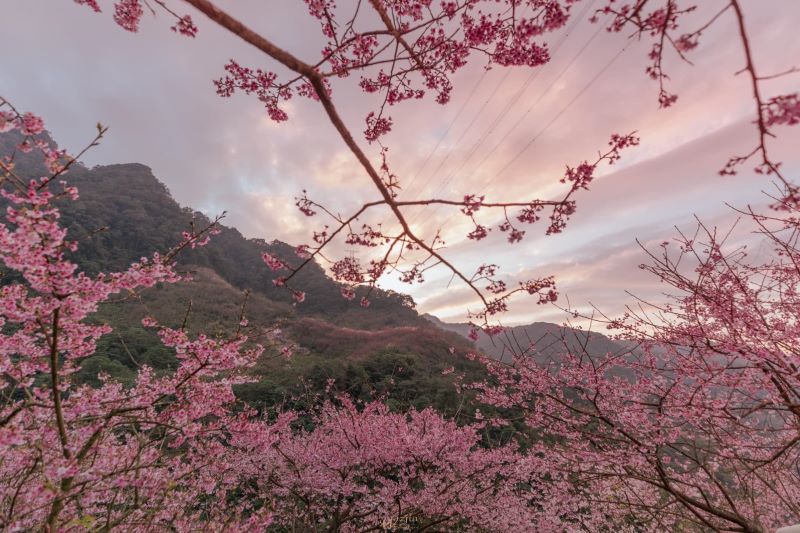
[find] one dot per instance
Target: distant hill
(541, 340)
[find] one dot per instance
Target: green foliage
(125, 213)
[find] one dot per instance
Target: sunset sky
(75, 68)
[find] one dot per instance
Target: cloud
(597, 257)
(154, 89)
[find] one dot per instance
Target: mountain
(124, 212)
(541, 340)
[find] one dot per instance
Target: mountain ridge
(124, 213)
(544, 341)
(387, 349)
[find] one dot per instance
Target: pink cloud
(154, 90)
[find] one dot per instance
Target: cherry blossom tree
(409, 49)
(176, 451)
(364, 467)
(698, 426)
(76, 457)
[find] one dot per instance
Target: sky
(506, 134)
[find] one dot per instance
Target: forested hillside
(541, 341)
(124, 212)
(387, 350)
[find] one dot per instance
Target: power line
(469, 126)
(536, 103)
(482, 138)
(549, 124)
(558, 115)
(449, 127)
(458, 114)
